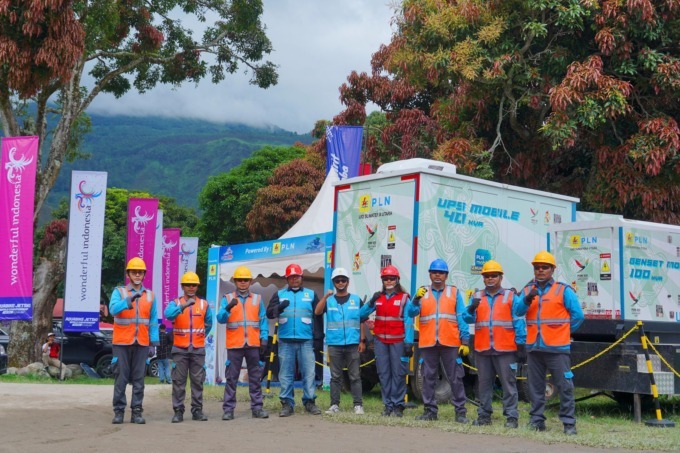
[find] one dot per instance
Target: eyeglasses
(389, 279)
(192, 285)
(340, 280)
(242, 280)
(133, 272)
(491, 275)
(542, 267)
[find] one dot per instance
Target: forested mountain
(172, 157)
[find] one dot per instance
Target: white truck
(412, 212)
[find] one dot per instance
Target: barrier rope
(649, 343)
(607, 349)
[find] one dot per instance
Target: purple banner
(343, 145)
(141, 234)
(17, 194)
(170, 244)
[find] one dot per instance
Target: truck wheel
(442, 389)
(523, 386)
(104, 367)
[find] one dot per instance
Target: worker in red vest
(499, 343)
(191, 321)
(135, 328)
(247, 331)
(552, 312)
(443, 338)
(393, 333)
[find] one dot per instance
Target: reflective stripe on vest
(132, 324)
(189, 325)
(494, 328)
(389, 319)
(549, 317)
(439, 320)
(243, 326)
(343, 324)
(296, 321)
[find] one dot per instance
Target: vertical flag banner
(17, 194)
(84, 255)
(188, 249)
(343, 144)
(158, 264)
(141, 234)
(170, 261)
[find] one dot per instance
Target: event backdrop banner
(84, 253)
(141, 234)
(17, 194)
(170, 246)
(344, 150)
(158, 263)
(188, 248)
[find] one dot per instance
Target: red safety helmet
(389, 271)
(293, 269)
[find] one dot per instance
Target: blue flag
(344, 150)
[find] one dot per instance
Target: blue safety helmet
(439, 265)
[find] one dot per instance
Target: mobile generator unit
(624, 272)
(412, 212)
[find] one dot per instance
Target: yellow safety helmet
(190, 278)
(243, 272)
(492, 266)
(136, 264)
(544, 257)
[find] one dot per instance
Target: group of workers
(532, 325)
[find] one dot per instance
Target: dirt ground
(74, 418)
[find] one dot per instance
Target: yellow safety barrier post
(272, 345)
(659, 422)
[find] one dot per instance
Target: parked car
(91, 348)
(3, 360)
(4, 339)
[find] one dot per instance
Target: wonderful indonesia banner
(141, 234)
(158, 264)
(188, 248)
(84, 254)
(170, 268)
(343, 145)
(17, 194)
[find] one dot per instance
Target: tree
(227, 198)
(45, 48)
(572, 96)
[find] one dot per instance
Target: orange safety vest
(549, 316)
(438, 321)
(132, 324)
(243, 326)
(188, 328)
(494, 324)
(389, 318)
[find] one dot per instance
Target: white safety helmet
(339, 272)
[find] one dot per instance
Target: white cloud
(317, 43)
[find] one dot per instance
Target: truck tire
(523, 386)
(442, 389)
(104, 367)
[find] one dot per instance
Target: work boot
(537, 426)
(286, 410)
(427, 416)
(136, 416)
(118, 418)
(461, 418)
(178, 417)
(199, 416)
(311, 408)
(511, 422)
(259, 413)
(569, 430)
(398, 412)
(228, 415)
(481, 421)
(386, 412)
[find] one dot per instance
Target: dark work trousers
(234, 361)
(130, 367)
(504, 365)
(447, 356)
(391, 372)
(318, 361)
(559, 366)
(345, 357)
(188, 362)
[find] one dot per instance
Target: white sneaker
(334, 409)
(359, 410)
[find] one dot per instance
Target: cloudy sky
(317, 43)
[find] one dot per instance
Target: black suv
(4, 341)
(91, 348)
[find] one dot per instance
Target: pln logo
(85, 197)
(367, 202)
(276, 248)
(634, 239)
(582, 265)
